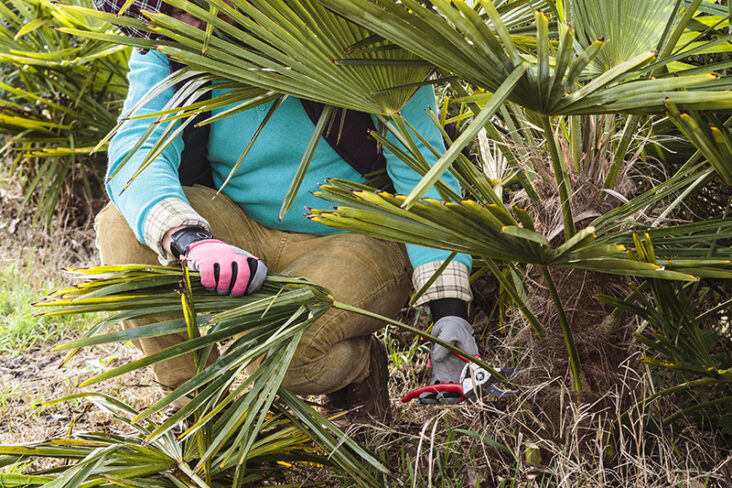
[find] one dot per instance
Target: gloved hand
(446, 366)
(226, 268)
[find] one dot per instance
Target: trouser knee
(117, 243)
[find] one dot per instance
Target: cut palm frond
(89, 459)
(233, 418)
(139, 291)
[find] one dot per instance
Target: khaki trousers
(361, 271)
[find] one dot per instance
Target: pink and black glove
(223, 267)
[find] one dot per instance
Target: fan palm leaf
(489, 231)
(475, 45)
(61, 95)
(230, 417)
(133, 460)
(478, 48)
(297, 48)
(613, 21)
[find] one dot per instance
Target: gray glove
(446, 367)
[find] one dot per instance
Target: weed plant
(20, 331)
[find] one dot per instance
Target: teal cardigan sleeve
(405, 178)
(160, 179)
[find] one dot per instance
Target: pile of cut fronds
(238, 420)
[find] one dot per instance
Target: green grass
(22, 283)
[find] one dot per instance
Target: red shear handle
(436, 389)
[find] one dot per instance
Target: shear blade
(439, 398)
(497, 392)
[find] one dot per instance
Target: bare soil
(37, 376)
(30, 378)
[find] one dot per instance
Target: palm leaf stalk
(560, 174)
(199, 361)
(574, 361)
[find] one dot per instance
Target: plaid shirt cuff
(452, 283)
(163, 216)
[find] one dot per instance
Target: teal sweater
(260, 184)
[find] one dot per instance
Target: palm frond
(134, 460)
(231, 416)
(479, 49)
(489, 231)
(60, 96)
(297, 48)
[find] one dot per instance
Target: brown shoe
(367, 399)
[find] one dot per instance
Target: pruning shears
(474, 383)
